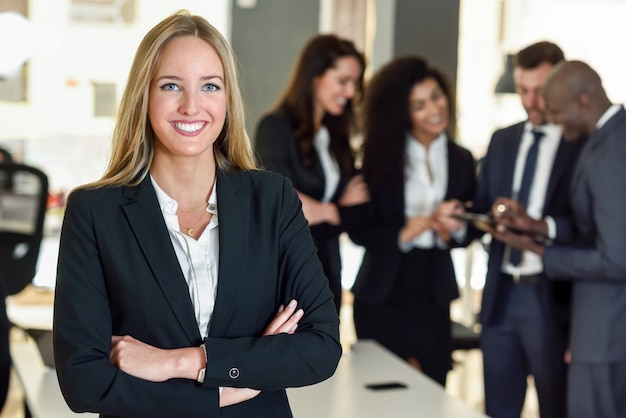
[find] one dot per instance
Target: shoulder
(502, 137)
(459, 150)
(275, 122)
(87, 195)
(86, 202)
(508, 131)
(259, 182)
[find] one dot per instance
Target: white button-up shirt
(423, 191)
(531, 263)
(198, 259)
(321, 142)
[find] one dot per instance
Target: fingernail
(299, 312)
(293, 303)
(281, 308)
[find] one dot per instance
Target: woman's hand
(355, 193)
(158, 365)
(317, 212)
(285, 321)
(414, 227)
(442, 223)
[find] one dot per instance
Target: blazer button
(233, 373)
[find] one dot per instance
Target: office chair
(23, 200)
(464, 337)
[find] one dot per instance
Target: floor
(464, 381)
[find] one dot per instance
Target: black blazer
(376, 226)
(277, 150)
(496, 180)
(118, 274)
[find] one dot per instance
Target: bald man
(596, 262)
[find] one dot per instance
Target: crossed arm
(158, 365)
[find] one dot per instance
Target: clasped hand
(158, 365)
(316, 212)
(439, 221)
(514, 227)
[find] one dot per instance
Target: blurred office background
(63, 65)
(56, 111)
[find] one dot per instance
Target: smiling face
(528, 84)
(187, 99)
(333, 89)
(565, 110)
(428, 107)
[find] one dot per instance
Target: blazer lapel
(588, 149)
(510, 158)
(562, 159)
(148, 226)
(454, 162)
(233, 205)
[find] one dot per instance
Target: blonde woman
(187, 282)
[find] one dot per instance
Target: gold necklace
(190, 229)
(203, 206)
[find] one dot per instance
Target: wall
(56, 126)
(267, 39)
(590, 30)
(428, 28)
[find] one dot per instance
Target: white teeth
(189, 127)
(342, 101)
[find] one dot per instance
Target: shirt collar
(170, 206)
(549, 129)
(613, 109)
(413, 145)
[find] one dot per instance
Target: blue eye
(210, 87)
(170, 87)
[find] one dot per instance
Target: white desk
(344, 395)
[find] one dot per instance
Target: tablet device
(480, 220)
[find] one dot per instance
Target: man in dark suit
(595, 262)
(523, 315)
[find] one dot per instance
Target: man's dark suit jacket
(597, 263)
(496, 180)
(118, 274)
(278, 151)
(376, 226)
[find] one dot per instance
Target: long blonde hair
(133, 138)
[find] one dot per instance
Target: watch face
(201, 375)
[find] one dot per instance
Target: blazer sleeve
(602, 256)
(82, 335)
(312, 353)
(276, 151)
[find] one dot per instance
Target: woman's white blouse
(321, 141)
(423, 193)
(198, 259)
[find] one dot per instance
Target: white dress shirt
(423, 191)
(321, 141)
(613, 109)
(531, 263)
(198, 259)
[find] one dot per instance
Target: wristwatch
(202, 371)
